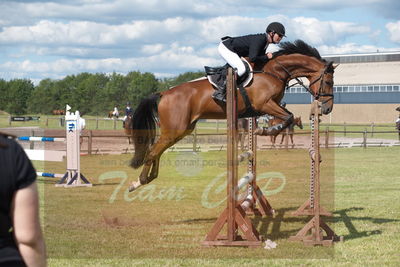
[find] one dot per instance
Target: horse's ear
(335, 66)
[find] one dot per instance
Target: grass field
(163, 223)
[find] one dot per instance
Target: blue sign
(71, 126)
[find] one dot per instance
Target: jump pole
(73, 176)
(234, 215)
(312, 233)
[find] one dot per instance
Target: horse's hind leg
(152, 161)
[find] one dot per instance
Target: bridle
(321, 91)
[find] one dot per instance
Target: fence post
(365, 138)
(344, 130)
(90, 142)
(9, 120)
(195, 140)
(327, 137)
(31, 143)
(286, 135)
(372, 129)
(47, 121)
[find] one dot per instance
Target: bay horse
(290, 129)
(128, 127)
(177, 110)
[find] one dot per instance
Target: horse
(243, 129)
(178, 109)
(113, 114)
(58, 112)
(128, 127)
(290, 129)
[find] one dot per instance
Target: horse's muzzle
(326, 109)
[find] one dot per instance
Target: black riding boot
(220, 93)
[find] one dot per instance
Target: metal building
(367, 89)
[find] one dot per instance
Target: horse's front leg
(142, 177)
(283, 137)
(279, 112)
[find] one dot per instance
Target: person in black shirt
(21, 238)
(253, 46)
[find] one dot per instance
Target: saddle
(217, 75)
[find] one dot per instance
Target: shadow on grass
(348, 222)
(272, 226)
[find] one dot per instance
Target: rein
(300, 82)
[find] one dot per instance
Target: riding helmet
(276, 27)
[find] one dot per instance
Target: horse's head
(299, 59)
(321, 86)
(297, 121)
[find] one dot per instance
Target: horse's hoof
(134, 186)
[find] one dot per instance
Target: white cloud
(325, 32)
(152, 49)
(57, 38)
(394, 31)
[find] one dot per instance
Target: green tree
(115, 92)
(41, 97)
(140, 85)
(3, 94)
(182, 78)
(90, 94)
(19, 91)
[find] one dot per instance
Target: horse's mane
(297, 47)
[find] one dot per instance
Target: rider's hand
(269, 55)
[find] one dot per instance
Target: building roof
(369, 68)
(363, 58)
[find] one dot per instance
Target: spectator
(21, 238)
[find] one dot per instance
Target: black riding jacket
(252, 46)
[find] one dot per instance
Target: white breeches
(232, 58)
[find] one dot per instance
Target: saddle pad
(246, 82)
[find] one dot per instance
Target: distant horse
(290, 129)
(243, 129)
(113, 114)
(58, 112)
(128, 127)
(179, 108)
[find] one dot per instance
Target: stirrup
(218, 95)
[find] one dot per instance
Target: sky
(42, 39)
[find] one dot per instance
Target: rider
(128, 111)
(253, 46)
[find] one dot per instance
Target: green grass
(163, 223)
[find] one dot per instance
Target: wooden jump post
(234, 215)
(312, 233)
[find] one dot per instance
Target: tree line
(93, 94)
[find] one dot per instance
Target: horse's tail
(144, 123)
